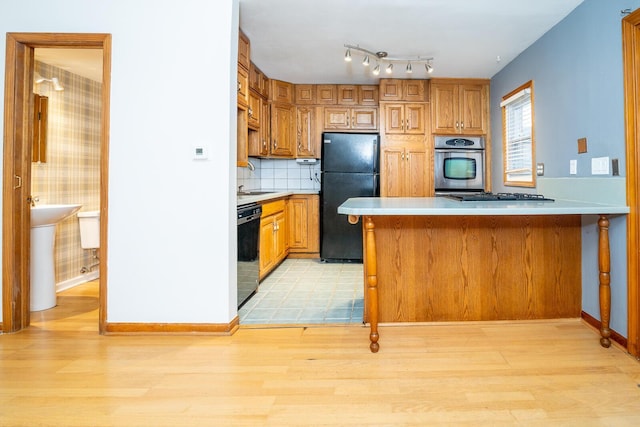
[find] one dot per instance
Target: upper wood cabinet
(326, 94)
(283, 121)
(254, 111)
(404, 118)
(281, 91)
(259, 140)
(242, 137)
(307, 132)
(244, 56)
(345, 118)
(258, 81)
(403, 90)
(460, 107)
(357, 95)
(243, 87)
(305, 94)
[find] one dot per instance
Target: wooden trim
(172, 328)
(631, 72)
(595, 323)
(17, 155)
(18, 121)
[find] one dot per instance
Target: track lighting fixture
(428, 67)
(384, 58)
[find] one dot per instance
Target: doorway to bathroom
(17, 170)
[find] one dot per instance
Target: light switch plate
(600, 166)
(200, 152)
(573, 167)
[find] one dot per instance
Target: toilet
(89, 229)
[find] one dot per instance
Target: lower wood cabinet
(303, 216)
(273, 236)
(289, 227)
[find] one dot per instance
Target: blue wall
(576, 68)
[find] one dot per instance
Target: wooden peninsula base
(434, 259)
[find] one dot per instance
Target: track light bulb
(389, 69)
(376, 70)
(409, 69)
(347, 56)
(365, 61)
(429, 68)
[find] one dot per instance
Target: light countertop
(445, 206)
(269, 194)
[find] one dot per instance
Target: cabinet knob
(462, 125)
(457, 125)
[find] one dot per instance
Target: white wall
(171, 219)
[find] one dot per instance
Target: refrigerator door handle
(376, 156)
(376, 185)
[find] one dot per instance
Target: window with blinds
(518, 142)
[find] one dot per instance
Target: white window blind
(518, 134)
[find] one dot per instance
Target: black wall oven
(459, 164)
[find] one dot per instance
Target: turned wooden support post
(371, 275)
(604, 265)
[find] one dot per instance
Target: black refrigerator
(350, 168)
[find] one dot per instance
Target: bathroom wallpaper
(71, 173)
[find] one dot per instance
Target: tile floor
(307, 291)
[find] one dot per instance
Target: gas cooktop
(492, 197)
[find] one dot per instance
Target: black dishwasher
(248, 252)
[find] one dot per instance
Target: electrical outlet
(540, 169)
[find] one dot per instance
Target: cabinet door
(326, 94)
(281, 91)
(282, 129)
(347, 94)
(305, 94)
(473, 116)
(414, 118)
(392, 172)
(242, 137)
(265, 129)
(306, 134)
(255, 79)
(267, 244)
(364, 118)
(254, 111)
(243, 50)
(243, 87)
(368, 95)
(298, 209)
(336, 118)
(394, 118)
(416, 165)
(445, 108)
(390, 90)
(281, 243)
(413, 90)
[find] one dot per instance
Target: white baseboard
(78, 280)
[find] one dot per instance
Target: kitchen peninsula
(439, 259)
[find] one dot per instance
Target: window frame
(506, 101)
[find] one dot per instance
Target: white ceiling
(302, 41)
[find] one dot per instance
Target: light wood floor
(60, 372)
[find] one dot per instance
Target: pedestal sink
(43, 231)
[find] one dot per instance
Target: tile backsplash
(285, 174)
